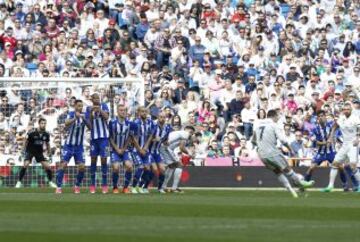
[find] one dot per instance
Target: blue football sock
(92, 174)
(352, 177)
(307, 177)
(115, 178)
(104, 170)
(137, 176)
(161, 180)
(79, 178)
(149, 179)
(128, 175)
(59, 177)
(343, 178)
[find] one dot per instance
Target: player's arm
(104, 113)
(70, 119)
(283, 140)
(112, 141)
(332, 132)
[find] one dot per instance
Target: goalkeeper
(34, 145)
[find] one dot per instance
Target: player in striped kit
(141, 141)
(326, 151)
(349, 125)
(99, 143)
(160, 136)
(73, 147)
(120, 130)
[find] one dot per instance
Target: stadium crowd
(216, 65)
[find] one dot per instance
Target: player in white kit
(170, 154)
(266, 135)
(349, 125)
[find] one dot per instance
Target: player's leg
(128, 165)
(280, 162)
(169, 160)
(80, 161)
(94, 152)
(317, 160)
(281, 177)
(353, 158)
(177, 177)
(343, 178)
(67, 153)
(22, 172)
(138, 172)
(340, 158)
(41, 159)
(350, 173)
(330, 158)
(104, 153)
(146, 179)
(115, 176)
(159, 167)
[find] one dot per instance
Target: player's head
(78, 104)
(95, 98)
(190, 129)
(321, 116)
(142, 112)
(272, 114)
(42, 123)
(121, 111)
(162, 117)
(347, 108)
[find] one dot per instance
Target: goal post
(52, 98)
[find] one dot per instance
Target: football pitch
(197, 215)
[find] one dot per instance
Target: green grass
(263, 216)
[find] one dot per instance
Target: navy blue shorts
(99, 147)
(320, 158)
(69, 151)
(155, 158)
(115, 157)
(141, 160)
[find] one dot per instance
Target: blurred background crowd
(216, 65)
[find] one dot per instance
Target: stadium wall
(256, 177)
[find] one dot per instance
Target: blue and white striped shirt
(143, 131)
(322, 134)
(120, 131)
(100, 128)
(76, 131)
(161, 134)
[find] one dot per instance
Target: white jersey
(349, 127)
(176, 137)
(267, 134)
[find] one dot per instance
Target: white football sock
(333, 173)
(293, 177)
(283, 180)
(177, 176)
(168, 174)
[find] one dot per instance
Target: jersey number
(261, 131)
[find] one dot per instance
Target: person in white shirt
(349, 125)
(248, 116)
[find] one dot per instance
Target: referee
(34, 148)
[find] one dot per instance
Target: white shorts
(168, 156)
(347, 153)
